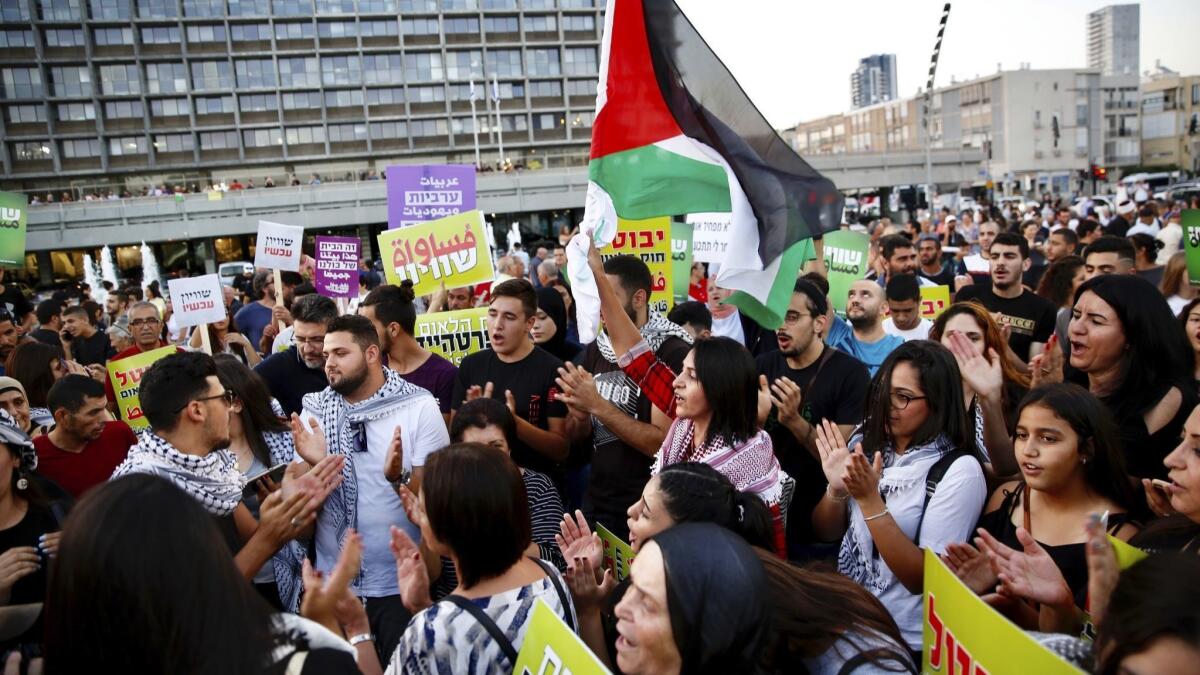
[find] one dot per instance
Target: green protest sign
(846, 260)
(13, 209)
(681, 259)
(1191, 244)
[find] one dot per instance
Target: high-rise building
(874, 81)
(1113, 39)
(183, 91)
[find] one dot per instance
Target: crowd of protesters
(324, 494)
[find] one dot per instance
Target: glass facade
(143, 86)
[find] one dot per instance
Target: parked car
(1183, 191)
(232, 270)
(1106, 201)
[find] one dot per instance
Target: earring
(1084, 460)
(22, 483)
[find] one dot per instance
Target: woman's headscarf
(716, 596)
(550, 302)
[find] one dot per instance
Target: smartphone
(275, 473)
(1161, 484)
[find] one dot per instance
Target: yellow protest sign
(649, 240)
(452, 335)
(550, 646)
(617, 554)
(126, 377)
(934, 301)
(451, 251)
(1126, 555)
(963, 634)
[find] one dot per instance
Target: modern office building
(874, 81)
(1113, 39)
(119, 94)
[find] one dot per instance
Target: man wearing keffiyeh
(366, 410)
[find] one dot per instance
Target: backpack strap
(552, 574)
(506, 645)
(936, 473)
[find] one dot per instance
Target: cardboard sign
(1191, 243)
(618, 555)
(681, 260)
(126, 377)
(416, 194)
(336, 273)
(846, 260)
(453, 335)
(963, 634)
(550, 647)
(934, 301)
(197, 300)
(649, 240)
(278, 246)
(452, 251)
(710, 235)
(13, 211)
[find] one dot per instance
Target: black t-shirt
(289, 379)
(46, 336)
(838, 394)
(15, 302)
(531, 381)
(619, 472)
(96, 349)
(1030, 315)
(943, 278)
(37, 521)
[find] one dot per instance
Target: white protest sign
(197, 300)
(278, 246)
(710, 236)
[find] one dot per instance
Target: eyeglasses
(300, 341)
(143, 322)
(793, 317)
(900, 401)
(227, 395)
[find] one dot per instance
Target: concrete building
(1170, 108)
(874, 81)
(1113, 39)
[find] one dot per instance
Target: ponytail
(696, 492)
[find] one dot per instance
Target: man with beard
(85, 445)
(115, 305)
(863, 337)
(609, 409)
(9, 334)
(391, 311)
(809, 382)
(1030, 317)
(368, 414)
(300, 369)
(929, 250)
(898, 256)
(518, 372)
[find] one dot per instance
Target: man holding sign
(146, 326)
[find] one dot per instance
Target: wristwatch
(405, 476)
(361, 637)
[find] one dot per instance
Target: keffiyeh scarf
(901, 474)
(750, 465)
(655, 333)
(213, 480)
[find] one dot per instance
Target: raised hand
(860, 476)
(1030, 574)
(787, 399)
(764, 399)
(589, 585)
(1047, 367)
(983, 374)
(1157, 499)
(323, 594)
(971, 566)
(1103, 569)
(411, 573)
(319, 482)
(834, 454)
(475, 391)
(578, 389)
(393, 464)
(577, 541)
(310, 443)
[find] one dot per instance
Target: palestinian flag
(675, 134)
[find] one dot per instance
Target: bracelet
(361, 637)
(828, 491)
(881, 514)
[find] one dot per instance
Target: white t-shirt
(921, 332)
(423, 432)
(730, 327)
(977, 264)
(1171, 235)
(1141, 228)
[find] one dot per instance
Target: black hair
(360, 329)
(71, 391)
(1147, 210)
(691, 312)
(1154, 598)
(29, 364)
(902, 287)
(1068, 235)
(259, 284)
(1099, 440)
(1111, 244)
(1012, 239)
(1187, 309)
(1058, 282)
(1085, 227)
(171, 383)
(818, 280)
(290, 279)
(146, 569)
(942, 385)
(476, 505)
(482, 413)
(393, 304)
(314, 309)
(889, 244)
(632, 273)
(520, 289)
(696, 492)
(818, 302)
(46, 311)
(1157, 355)
(729, 378)
(257, 416)
(1148, 245)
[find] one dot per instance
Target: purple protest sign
(417, 193)
(337, 267)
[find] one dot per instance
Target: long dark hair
(1157, 355)
(942, 385)
(257, 417)
(230, 327)
(1156, 597)
(142, 565)
(811, 608)
(1098, 438)
(29, 364)
(696, 492)
(1058, 281)
(729, 378)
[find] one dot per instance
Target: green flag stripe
(771, 314)
(649, 181)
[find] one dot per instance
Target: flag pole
(474, 125)
(499, 123)
(937, 49)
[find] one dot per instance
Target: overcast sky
(794, 57)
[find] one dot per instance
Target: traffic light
(1099, 172)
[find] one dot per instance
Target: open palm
(834, 454)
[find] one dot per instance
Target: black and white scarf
(213, 479)
(655, 333)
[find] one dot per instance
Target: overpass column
(45, 267)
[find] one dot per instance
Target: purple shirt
(436, 375)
